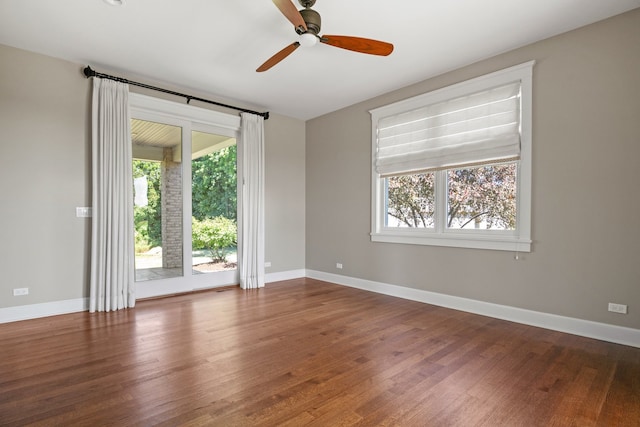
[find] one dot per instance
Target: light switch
(83, 212)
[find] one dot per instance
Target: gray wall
(284, 193)
(585, 222)
(44, 174)
(45, 159)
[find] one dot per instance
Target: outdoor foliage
(147, 219)
(485, 194)
(214, 184)
(411, 199)
(216, 235)
(214, 194)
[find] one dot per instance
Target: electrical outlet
(618, 308)
(20, 291)
(267, 264)
(339, 265)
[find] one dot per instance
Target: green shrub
(215, 235)
(141, 242)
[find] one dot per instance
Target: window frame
(518, 240)
(189, 118)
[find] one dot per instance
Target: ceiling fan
(307, 24)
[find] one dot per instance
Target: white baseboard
(585, 328)
(284, 275)
(34, 311)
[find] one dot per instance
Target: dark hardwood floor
(305, 352)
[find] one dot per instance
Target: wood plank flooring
(306, 352)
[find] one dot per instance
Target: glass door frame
(188, 118)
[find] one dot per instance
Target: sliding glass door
(185, 212)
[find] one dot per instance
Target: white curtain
(112, 269)
(251, 224)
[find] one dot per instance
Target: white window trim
(223, 123)
(517, 241)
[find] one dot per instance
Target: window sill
(456, 240)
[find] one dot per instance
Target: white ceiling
(214, 46)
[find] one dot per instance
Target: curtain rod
(88, 72)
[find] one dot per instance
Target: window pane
(482, 198)
(157, 212)
(214, 201)
(409, 200)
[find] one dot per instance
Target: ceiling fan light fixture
(308, 39)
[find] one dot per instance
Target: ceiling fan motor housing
(312, 19)
(307, 3)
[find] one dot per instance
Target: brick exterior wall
(171, 188)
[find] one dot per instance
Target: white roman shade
(479, 128)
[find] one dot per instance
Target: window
(452, 167)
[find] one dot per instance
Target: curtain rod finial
(88, 72)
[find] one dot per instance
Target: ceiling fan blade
(278, 57)
(290, 11)
(359, 44)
